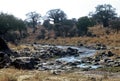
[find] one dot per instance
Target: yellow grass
(27, 75)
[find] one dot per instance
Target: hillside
(99, 35)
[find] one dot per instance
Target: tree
(57, 15)
(21, 27)
(67, 28)
(34, 18)
(9, 22)
(83, 24)
(104, 13)
(115, 24)
(8, 25)
(47, 24)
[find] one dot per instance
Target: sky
(73, 8)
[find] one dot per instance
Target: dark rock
(110, 54)
(4, 60)
(100, 46)
(80, 44)
(3, 45)
(25, 62)
(86, 69)
(74, 63)
(71, 51)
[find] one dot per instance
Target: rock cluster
(104, 59)
(46, 57)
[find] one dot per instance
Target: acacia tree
(115, 24)
(68, 28)
(6, 23)
(47, 24)
(21, 27)
(9, 24)
(34, 18)
(104, 13)
(83, 23)
(57, 16)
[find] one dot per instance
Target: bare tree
(34, 18)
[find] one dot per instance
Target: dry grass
(101, 33)
(25, 75)
(112, 40)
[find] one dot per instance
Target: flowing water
(84, 52)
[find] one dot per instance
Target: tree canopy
(57, 15)
(83, 24)
(104, 13)
(9, 22)
(34, 18)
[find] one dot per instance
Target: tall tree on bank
(103, 14)
(9, 24)
(34, 18)
(57, 16)
(83, 24)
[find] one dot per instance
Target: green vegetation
(33, 19)
(9, 25)
(104, 14)
(56, 24)
(83, 24)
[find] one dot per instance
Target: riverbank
(103, 43)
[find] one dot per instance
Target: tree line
(56, 21)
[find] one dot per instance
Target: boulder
(100, 46)
(110, 54)
(25, 62)
(4, 60)
(71, 51)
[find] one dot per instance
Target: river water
(84, 52)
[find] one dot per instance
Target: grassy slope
(112, 40)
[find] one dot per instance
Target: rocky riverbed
(59, 58)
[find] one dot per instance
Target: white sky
(73, 8)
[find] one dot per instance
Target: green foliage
(56, 15)
(33, 18)
(47, 24)
(115, 24)
(83, 24)
(8, 24)
(68, 28)
(103, 14)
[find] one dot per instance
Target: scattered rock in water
(25, 62)
(4, 60)
(100, 46)
(71, 51)
(27, 59)
(110, 54)
(5, 54)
